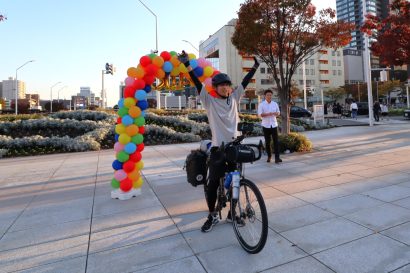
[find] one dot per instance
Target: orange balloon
(140, 72)
(202, 78)
(158, 61)
(134, 175)
(160, 74)
(132, 130)
(174, 60)
(134, 111)
(132, 72)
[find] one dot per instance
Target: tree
(335, 94)
(283, 33)
(23, 106)
(391, 34)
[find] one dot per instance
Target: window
(312, 72)
(338, 53)
(306, 61)
(324, 71)
(312, 62)
(334, 72)
(262, 70)
(323, 61)
(333, 53)
(307, 71)
(339, 63)
(300, 71)
(324, 81)
(334, 62)
(269, 71)
(339, 72)
(300, 82)
(266, 81)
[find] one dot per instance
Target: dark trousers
(217, 168)
(271, 133)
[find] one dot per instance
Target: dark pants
(217, 168)
(271, 133)
(376, 115)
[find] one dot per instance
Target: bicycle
(249, 215)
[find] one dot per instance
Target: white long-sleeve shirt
(264, 108)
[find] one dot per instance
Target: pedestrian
(223, 117)
(376, 110)
(385, 111)
(268, 110)
(354, 108)
(325, 108)
(339, 110)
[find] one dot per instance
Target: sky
(71, 40)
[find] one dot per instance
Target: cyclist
(223, 117)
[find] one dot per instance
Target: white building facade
(9, 89)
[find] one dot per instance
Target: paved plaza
(345, 207)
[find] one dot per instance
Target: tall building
(323, 70)
(9, 89)
(91, 99)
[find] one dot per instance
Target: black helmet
(221, 78)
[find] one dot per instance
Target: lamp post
(156, 46)
(17, 86)
(367, 68)
(58, 92)
(191, 45)
(51, 97)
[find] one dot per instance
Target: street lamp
(191, 45)
(51, 97)
(367, 67)
(58, 92)
(156, 47)
(17, 86)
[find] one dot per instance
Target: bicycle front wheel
(249, 217)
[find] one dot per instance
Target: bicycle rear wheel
(249, 217)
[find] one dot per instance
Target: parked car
(299, 112)
(363, 108)
(407, 114)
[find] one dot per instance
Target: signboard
(318, 113)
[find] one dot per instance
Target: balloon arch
(129, 139)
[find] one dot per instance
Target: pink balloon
(129, 81)
(120, 175)
(208, 63)
(201, 62)
(208, 81)
(118, 147)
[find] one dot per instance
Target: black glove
(256, 64)
(183, 58)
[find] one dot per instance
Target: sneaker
(278, 160)
(268, 160)
(212, 220)
(239, 221)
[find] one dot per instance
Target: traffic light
(109, 69)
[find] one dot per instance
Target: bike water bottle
(228, 180)
(235, 184)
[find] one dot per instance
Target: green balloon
(137, 139)
(152, 55)
(123, 111)
(122, 156)
(139, 121)
(173, 53)
(115, 183)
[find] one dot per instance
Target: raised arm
(183, 58)
(250, 74)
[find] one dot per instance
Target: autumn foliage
(392, 34)
(283, 33)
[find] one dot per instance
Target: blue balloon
(194, 63)
(147, 88)
(199, 71)
(143, 114)
(116, 165)
(141, 95)
(167, 66)
(121, 103)
(127, 120)
(116, 137)
(130, 148)
(142, 104)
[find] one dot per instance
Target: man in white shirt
(268, 110)
(354, 109)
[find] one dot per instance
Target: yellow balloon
(129, 102)
(132, 72)
(182, 68)
(175, 71)
(140, 165)
(120, 129)
(134, 111)
(134, 175)
(140, 72)
(124, 139)
(191, 56)
(208, 71)
(138, 184)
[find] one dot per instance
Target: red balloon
(215, 73)
(140, 147)
(126, 184)
(141, 130)
(119, 120)
(128, 166)
(139, 84)
(145, 60)
(135, 157)
(151, 69)
(165, 55)
(149, 79)
(129, 92)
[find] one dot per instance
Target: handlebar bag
(196, 167)
(240, 154)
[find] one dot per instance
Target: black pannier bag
(240, 154)
(196, 167)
